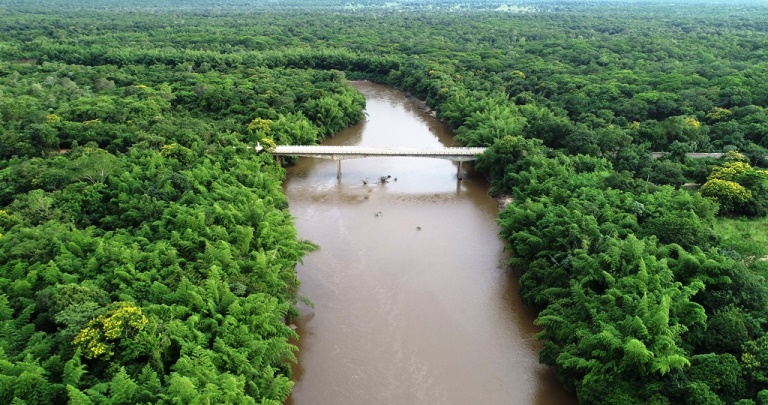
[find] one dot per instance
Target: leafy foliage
(127, 183)
(619, 311)
(738, 187)
(152, 259)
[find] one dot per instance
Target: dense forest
(147, 253)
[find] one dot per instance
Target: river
(413, 303)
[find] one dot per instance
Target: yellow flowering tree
(268, 144)
(719, 114)
(738, 187)
(259, 128)
(260, 125)
(123, 321)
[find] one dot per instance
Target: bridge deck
(693, 155)
(352, 152)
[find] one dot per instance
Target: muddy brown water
(412, 300)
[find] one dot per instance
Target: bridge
(693, 155)
(339, 153)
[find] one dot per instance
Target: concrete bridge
(339, 153)
(693, 155)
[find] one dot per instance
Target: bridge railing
(351, 152)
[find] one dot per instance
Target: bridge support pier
(338, 169)
(458, 173)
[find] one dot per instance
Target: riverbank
(503, 201)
